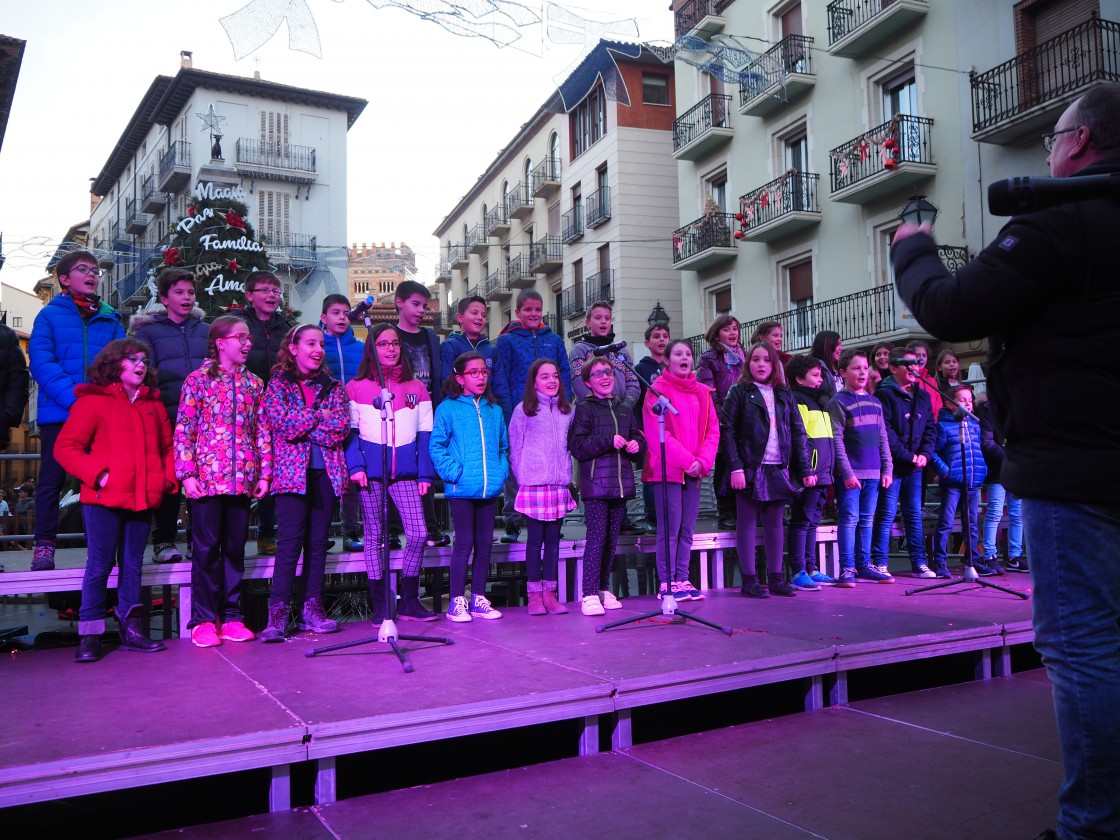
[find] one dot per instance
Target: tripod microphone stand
(387, 633)
(970, 575)
(669, 609)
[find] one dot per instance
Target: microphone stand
(669, 609)
(970, 575)
(387, 632)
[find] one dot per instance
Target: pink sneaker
(205, 635)
(235, 631)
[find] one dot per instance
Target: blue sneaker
(820, 577)
(688, 592)
(942, 571)
(870, 573)
(805, 583)
(847, 579)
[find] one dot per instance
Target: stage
(135, 719)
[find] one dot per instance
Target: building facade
(279, 149)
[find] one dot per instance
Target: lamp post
(918, 210)
(658, 317)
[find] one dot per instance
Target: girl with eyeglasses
(385, 368)
(223, 456)
(470, 452)
(306, 411)
(117, 443)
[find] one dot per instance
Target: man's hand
(909, 229)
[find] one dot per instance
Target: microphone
(608, 348)
(904, 360)
(1026, 194)
(358, 313)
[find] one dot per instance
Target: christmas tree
(217, 244)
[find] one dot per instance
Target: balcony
(705, 242)
(298, 250)
(779, 75)
(175, 167)
(703, 128)
(571, 225)
(131, 286)
(599, 288)
(887, 159)
(546, 178)
(1023, 98)
(457, 257)
(519, 204)
(153, 200)
(518, 275)
(477, 241)
(855, 27)
(571, 301)
(700, 17)
(598, 206)
(782, 207)
(443, 271)
(135, 222)
(447, 320)
(270, 156)
(495, 286)
(552, 321)
(495, 222)
(546, 255)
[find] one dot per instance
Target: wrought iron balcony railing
(599, 287)
(174, 165)
(791, 193)
(494, 220)
(456, 255)
(571, 301)
(903, 139)
(546, 253)
(517, 269)
(711, 111)
(275, 155)
(493, 282)
(546, 175)
(287, 239)
(711, 231)
(476, 239)
(845, 16)
(793, 54)
(571, 224)
(519, 202)
(694, 11)
(1085, 54)
(598, 206)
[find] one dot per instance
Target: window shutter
(801, 281)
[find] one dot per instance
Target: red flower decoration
(233, 220)
(171, 256)
(190, 210)
(232, 265)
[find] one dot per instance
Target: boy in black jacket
(805, 375)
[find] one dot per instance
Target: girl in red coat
(117, 443)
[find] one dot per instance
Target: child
(603, 429)
(470, 452)
(805, 510)
(117, 443)
(991, 443)
(771, 332)
(761, 434)
(306, 412)
(421, 346)
(598, 323)
(539, 458)
(720, 367)
(880, 371)
(948, 370)
(959, 461)
(223, 455)
(862, 465)
(691, 444)
(410, 465)
(523, 341)
(344, 355)
(657, 338)
(472, 315)
(827, 349)
(920, 351)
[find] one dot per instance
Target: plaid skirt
(544, 502)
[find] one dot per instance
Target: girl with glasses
(410, 474)
(117, 442)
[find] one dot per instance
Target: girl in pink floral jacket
(222, 457)
(308, 415)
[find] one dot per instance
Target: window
(717, 189)
(588, 121)
(655, 89)
(796, 154)
(799, 288)
(17, 320)
(274, 127)
(273, 213)
(554, 154)
(720, 300)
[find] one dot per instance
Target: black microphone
(358, 313)
(1026, 194)
(907, 361)
(608, 348)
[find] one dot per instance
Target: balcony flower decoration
(751, 204)
(171, 256)
(886, 142)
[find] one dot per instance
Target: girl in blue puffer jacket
(470, 452)
(960, 466)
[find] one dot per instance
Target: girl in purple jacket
(720, 367)
(538, 435)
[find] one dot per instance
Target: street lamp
(919, 210)
(658, 317)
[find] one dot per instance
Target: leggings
(604, 522)
(547, 533)
(406, 496)
(772, 534)
(474, 530)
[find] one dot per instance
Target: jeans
(855, 516)
(997, 495)
(108, 529)
(908, 490)
(1077, 632)
(950, 499)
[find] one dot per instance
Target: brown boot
(551, 603)
(536, 598)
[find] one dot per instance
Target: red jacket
(129, 440)
(691, 435)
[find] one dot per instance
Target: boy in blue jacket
(472, 315)
(960, 464)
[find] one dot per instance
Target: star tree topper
(210, 121)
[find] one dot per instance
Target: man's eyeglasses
(479, 373)
(1048, 139)
(241, 337)
(385, 345)
(137, 359)
(91, 270)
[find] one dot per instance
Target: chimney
(185, 59)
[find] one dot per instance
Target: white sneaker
(609, 601)
(592, 605)
(923, 571)
(882, 569)
(480, 608)
(458, 610)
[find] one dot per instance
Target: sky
(441, 105)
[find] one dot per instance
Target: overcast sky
(440, 105)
